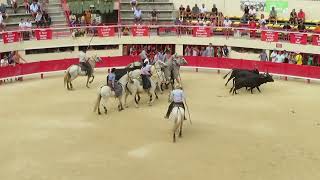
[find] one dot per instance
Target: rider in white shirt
(83, 60)
(177, 98)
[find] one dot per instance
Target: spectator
(292, 59)
(17, 58)
(213, 19)
(273, 56)
(203, 12)
(317, 28)
(202, 52)
(310, 60)
(220, 19)
(219, 51)
(44, 6)
(39, 19)
(137, 15)
(87, 17)
(252, 26)
(225, 51)
(4, 61)
(26, 6)
(262, 20)
(301, 16)
(298, 58)
(301, 27)
(73, 20)
(144, 54)
(181, 12)
(245, 16)
(2, 25)
(34, 7)
(195, 11)
(280, 57)
(286, 27)
(188, 12)
(263, 56)
(293, 17)
(210, 50)
(263, 26)
(177, 22)
(227, 26)
(252, 13)
(46, 19)
(14, 5)
(187, 51)
(3, 8)
(273, 15)
(214, 10)
(134, 4)
(195, 51)
(154, 17)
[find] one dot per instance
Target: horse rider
(145, 74)
(111, 78)
(84, 64)
(177, 98)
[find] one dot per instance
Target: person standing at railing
(273, 55)
(210, 50)
(225, 51)
(299, 58)
(263, 56)
(16, 57)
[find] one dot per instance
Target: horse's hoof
(126, 106)
(99, 113)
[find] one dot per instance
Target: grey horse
(172, 69)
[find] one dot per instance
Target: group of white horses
(162, 73)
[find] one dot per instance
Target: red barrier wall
(205, 62)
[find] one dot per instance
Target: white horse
(177, 115)
(157, 75)
(172, 69)
(135, 88)
(105, 93)
(75, 70)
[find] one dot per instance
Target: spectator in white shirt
(273, 55)
(203, 9)
(22, 24)
(227, 26)
(133, 4)
(34, 7)
(262, 20)
(280, 58)
(252, 13)
(137, 15)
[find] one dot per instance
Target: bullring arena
(51, 133)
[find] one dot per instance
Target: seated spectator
(195, 11)
(220, 19)
(181, 12)
(134, 4)
(286, 27)
(39, 19)
(2, 25)
(252, 26)
(73, 20)
(188, 12)
(262, 20)
(245, 16)
(301, 16)
(293, 17)
(227, 26)
(177, 21)
(34, 7)
(87, 17)
(317, 28)
(252, 13)
(203, 12)
(298, 58)
(137, 15)
(46, 19)
(301, 27)
(263, 26)
(214, 10)
(213, 19)
(3, 8)
(14, 5)
(273, 15)
(154, 17)
(225, 51)
(26, 6)
(43, 6)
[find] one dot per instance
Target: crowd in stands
(206, 51)
(290, 57)
(152, 51)
(87, 18)
(11, 58)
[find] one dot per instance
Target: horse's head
(179, 60)
(95, 58)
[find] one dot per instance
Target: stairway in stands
(165, 8)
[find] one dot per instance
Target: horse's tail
(66, 77)
(97, 102)
(225, 76)
(177, 120)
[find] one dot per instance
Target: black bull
(238, 73)
(121, 72)
(253, 81)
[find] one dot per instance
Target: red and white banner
(202, 32)
(140, 31)
(106, 31)
(269, 36)
(43, 34)
(298, 38)
(10, 37)
(316, 40)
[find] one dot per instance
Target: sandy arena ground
(48, 133)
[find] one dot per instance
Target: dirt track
(49, 133)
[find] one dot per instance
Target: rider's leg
(169, 110)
